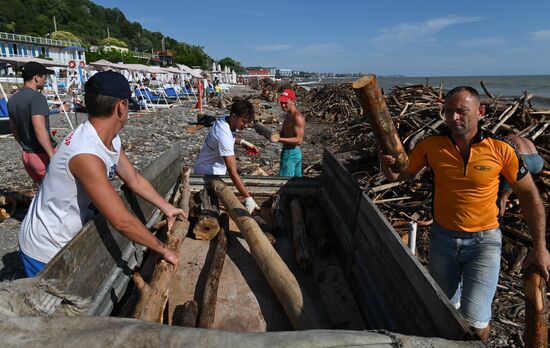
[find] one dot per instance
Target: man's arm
(13, 130)
(89, 170)
(533, 211)
(299, 130)
(139, 185)
(41, 132)
(231, 164)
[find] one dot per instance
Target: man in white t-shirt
(77, 184)
(217, 155)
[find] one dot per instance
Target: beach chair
(4, 114)
(172, 94)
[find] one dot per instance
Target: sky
(400, 37)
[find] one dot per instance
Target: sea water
(499, 86)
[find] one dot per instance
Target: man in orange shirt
(465, 239)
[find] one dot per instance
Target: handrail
(35, 39)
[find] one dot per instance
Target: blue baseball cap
(108, 83)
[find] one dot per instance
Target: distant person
(217, 155)
(30, 123)
(77, 185)
(292, 135)
(465, 238)
(531, 158)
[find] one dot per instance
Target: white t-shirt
(61, 206)
(219, 143)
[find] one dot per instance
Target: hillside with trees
(89, 23)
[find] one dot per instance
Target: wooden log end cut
(364, 81)
(206, 228)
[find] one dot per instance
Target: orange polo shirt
(465, 191)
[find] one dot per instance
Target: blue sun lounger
(4, 115)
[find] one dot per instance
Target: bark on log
(301, 243)
(208, 303)
(372, 100)
(153, 297)
(269, 134)
(304, 313)
(207, 226)
(536, 311)
(186, 314)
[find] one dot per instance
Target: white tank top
(61, 206)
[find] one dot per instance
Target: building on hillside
(15, 45)
(284, 73)
(109, 47)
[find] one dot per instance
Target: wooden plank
(245, 301)
(109, 254)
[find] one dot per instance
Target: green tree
(112, 41)
(233, 64)
(65, 36)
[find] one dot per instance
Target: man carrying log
(77, 185)
(29, 121)
(292, 135)
(533, 161)
(465, 239)
(217, 155)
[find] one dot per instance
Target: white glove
(250, 205)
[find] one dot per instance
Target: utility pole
(54, 25)
(108, 34)
(163, 49)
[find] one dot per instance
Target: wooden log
(186, 314)
(304, 313)
(372, 100)
(269, 134)
(266, 229)
(536, 311)
(193, 129)
(208, 303)
(301, 242)
(8, 205)
(153, 297)
(207, 226)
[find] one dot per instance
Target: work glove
(250, 205)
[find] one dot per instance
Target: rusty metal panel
(384, 270)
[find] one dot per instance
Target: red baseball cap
(287, 95)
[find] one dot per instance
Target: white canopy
(23, 60)
(102, 63)
(190, 71)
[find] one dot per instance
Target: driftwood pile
(417, 111)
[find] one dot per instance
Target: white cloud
(319, 48)
(421, 30)
(273, 47)
(482, 42)
(542, 35)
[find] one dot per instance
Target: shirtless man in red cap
(292, 135)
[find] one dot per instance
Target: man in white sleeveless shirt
(217, 155)
(77, 183)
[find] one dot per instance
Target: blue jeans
(466, 265)
(291, 162)
(534, 163)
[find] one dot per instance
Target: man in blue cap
(76, 186)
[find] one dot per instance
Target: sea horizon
(507, 86)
